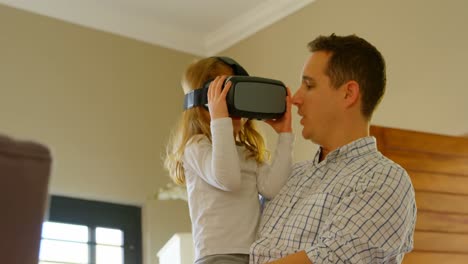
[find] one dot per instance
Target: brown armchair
(24, 177)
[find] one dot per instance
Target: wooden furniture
(438, 167)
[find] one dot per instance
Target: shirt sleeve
(216, 162)
(370, 225)
(272, 177)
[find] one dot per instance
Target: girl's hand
(283, 124)
(217, 97)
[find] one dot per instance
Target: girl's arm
(216, 163)
(272, 177)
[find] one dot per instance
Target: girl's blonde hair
(196, 121)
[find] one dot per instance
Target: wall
(104, 104)
(424, 44)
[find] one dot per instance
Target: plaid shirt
(355, 206)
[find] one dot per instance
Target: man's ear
(352, 93)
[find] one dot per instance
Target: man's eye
(308, 85)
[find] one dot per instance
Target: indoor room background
(105, 104)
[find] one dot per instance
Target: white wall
(104, 104)
(424, 44)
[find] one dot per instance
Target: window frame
(101, 214)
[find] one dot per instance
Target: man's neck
(341, 137)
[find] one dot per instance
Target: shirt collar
(356, 148)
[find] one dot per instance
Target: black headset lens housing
(249, 97)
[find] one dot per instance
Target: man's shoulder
(300, 168)
(386, 164)
(301, 164)
(388, 172)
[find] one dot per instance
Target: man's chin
(306, 135)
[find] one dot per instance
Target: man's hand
(283, 124)
(296, 258)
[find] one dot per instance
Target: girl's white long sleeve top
(223, 185)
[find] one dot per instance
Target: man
(349, 204)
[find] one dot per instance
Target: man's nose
(296, 98)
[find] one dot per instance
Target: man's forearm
(296, 258)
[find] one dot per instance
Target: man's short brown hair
(353, 58)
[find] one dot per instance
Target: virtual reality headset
(249, 97)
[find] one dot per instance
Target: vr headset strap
(199, 96)
(236, 67)
(196, 97)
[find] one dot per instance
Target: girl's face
(237, 124)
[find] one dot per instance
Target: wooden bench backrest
(438, 167)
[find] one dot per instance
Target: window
(90, 232)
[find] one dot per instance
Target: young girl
(222, 162)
